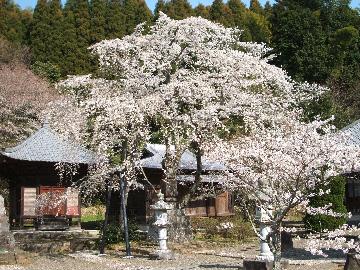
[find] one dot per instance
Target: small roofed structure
(139, 201)
(30, 168)
(352, 191)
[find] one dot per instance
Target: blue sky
(151, 3)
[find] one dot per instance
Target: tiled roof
(354, 132)
(46, 145)
(187, 162)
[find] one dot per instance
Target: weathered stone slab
(352, 262)
(257, 265)
(263, 265)
(286, 241)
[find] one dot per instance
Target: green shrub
(320, 223)
(114, 233)
(232, 228)
(47, 70)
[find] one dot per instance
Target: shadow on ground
(302, 254)
(220, 266)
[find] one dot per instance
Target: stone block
(352, 262)
(257, 265)
(286, 241)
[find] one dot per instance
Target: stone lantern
(263, 219)
(161, 221)
(7, 241)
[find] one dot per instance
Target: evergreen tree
(267, 9)
(258, 27)
(221, 13)
(136, 11)
(256, 7)
(160, 6)
(144, 14)
(202, 11)
(81, 13)
(299, 41)
(77, 38)
(70, 48)
(13, 22)
(55, 35)
(178, 9)
(98, 20)
(115, 20)
(238, 15)
(40, 31)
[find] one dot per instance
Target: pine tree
(13, 27)
(178, 9)
(160, 6)
(267, 9)
(299, 41)
(144, 13)
(115, 20)
(69, 48)
(136, 11)
(40, 32)
(258, 26)
(239, 18)
(55, 38)
(83, 34)
(202, 11)
(256, 7)
(221, 13)
(98, 20)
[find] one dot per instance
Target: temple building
(39, 197)
(30, 168)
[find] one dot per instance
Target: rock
(257, 265)
(352, 262)
(286, 241)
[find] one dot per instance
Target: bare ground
(197, 255)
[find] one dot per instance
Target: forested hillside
(314, 40)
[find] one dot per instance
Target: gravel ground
(192, 256)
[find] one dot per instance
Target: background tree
(178, 9)
(69, 46)
(160, 6)
(40, 29)
(220, 13)
(299, 42)
(202, 11)
(98, 20)
(55, 36)
(14, 22)
(115, 20)
(256, 7)
(136, 12)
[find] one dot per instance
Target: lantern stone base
(162, 255)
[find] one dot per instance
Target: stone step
(55, 241)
